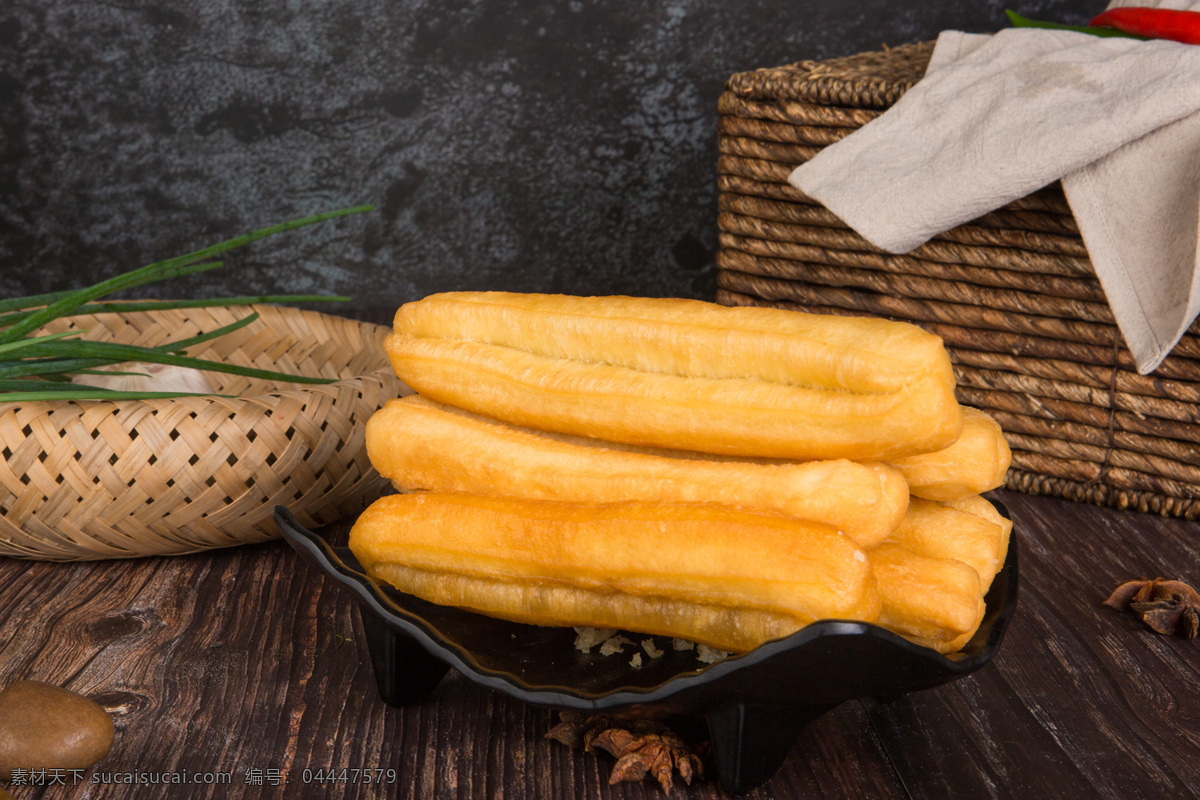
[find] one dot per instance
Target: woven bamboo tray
(1013, 293)
(84, 480)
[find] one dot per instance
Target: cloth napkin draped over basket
(1013, 291)
(997, 117)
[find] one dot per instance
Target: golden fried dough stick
(934, 602)
(420, 444)
(683, 374)
(940, 531)
(708, 573)
(983, 508)
(975, 463)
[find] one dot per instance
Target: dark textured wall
(549, 146)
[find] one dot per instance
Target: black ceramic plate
(755, 703)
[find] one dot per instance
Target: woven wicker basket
(83, 480)
(1013, 293)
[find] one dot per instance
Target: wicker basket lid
(866, 80)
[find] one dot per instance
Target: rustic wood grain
(247, 659)
(1082, 701)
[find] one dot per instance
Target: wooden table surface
(251, 663)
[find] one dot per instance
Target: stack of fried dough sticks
(674, 467)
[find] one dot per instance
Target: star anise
(641, 746)
(1167, 606)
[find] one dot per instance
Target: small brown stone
(47, 727)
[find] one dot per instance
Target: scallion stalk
(38, 367)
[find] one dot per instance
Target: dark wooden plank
(250, 659)
(1082, 701)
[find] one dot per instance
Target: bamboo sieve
(99, 479)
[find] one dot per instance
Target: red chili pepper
(1157, 23)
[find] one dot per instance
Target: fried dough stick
(420, 444)
(712, 574)
(969, 534)
(975, 463)
(683, 374)
(934, 602)
(983, 508)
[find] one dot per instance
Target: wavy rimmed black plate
(755, 704)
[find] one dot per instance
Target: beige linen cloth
(999, 116)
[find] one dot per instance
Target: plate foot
(750, 741)
(405, 672)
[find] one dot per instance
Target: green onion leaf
(38, 367)
(155, 271)
(93, 393)
(110, 307)
(115, 354)
(39, 300)
(25, 343)
(1023, 22)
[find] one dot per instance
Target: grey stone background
(506, 144)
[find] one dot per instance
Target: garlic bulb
(155, 378)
